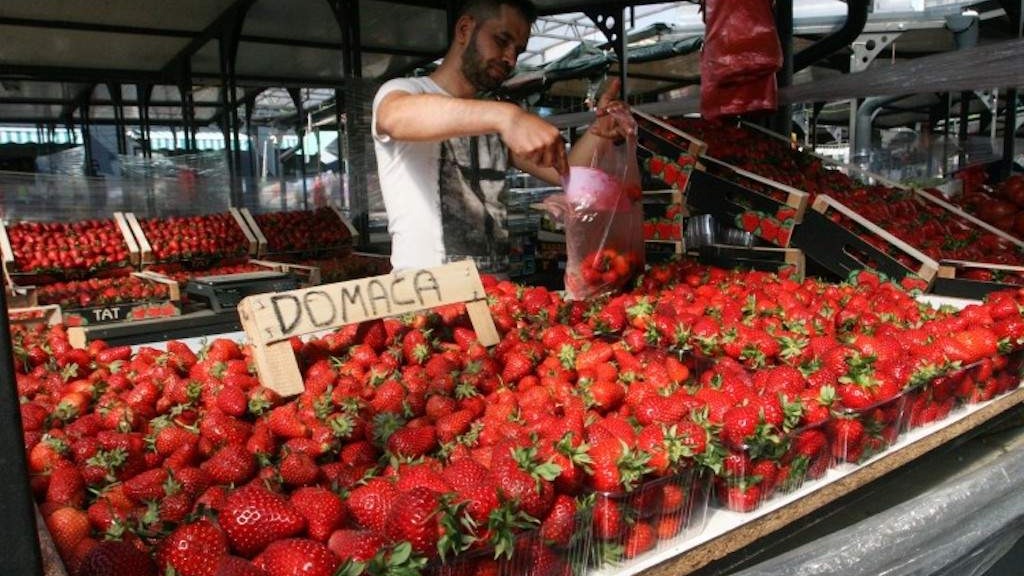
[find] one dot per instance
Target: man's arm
(603, 129)
(432, 117)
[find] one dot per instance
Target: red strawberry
(415, 518)
(253, 517)
(299, 557)
(116, 558)
(235, 566)
(324, 511)
(371, 503)
(146, 486)
(739, 425)
(66, 487)
(192, 550)
(847, 437)
(453, 425)
(560, 524)
(68, 526)
(640, 538)
(232, 464)
(298, 469)
(409, 442)
(517, 366)
(357, 545)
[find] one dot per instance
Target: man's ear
(464, 28)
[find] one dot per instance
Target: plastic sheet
(740, 58)
(961, 528)
(604, 218)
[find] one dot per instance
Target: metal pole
(782, 122)
(945, 137)
(1009, 132)
(965, 104)
(18, 531)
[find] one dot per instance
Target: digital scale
(222, 293)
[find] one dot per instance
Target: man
(442, 154)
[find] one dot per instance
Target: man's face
(493, 48)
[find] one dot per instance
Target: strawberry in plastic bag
(604, 217)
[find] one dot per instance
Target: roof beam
(213, 30)
(96, 27)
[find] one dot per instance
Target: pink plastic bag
(604, 218)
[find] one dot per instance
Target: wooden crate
(13, 276)
(145, 250)
(266, 251)
(254, 246)
(34, 315)
(744, 208)
(960, 279)
(129, 311)
(779, 260)
(250, 222)
(307, 275)
(843, 251)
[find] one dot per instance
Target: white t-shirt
(445, 200)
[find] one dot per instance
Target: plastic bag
(604, 218)
(740, 57)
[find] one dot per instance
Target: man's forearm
(582, 152)
(430, 117)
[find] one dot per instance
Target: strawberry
(739, 425)
(517, 366)
(608, 519)
(235, 566)
(415, 518)
(297, 556)
(409, 442)
(146, 486)
(322, 509)
(740, 497)
(474, 486)
(253, 517)
(847, 439)
(67, 487)
(453, 425)
(192, 550)
(232, 464)
(560, 524)
(356, 545)
(68, 526)
(298, 469)
(640, 538)
(371, 503)
(116, 558)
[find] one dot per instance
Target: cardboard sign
(270, 320)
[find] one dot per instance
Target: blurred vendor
(444, 147)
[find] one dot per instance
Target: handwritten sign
(271, 319)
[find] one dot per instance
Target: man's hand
(531, 138)
(605, 126)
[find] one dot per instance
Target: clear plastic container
(531, 554)
(659, 513)
(857, 435)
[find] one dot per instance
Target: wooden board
(748, 532)
(696, 146)
(755, 258)
(307, 275)
(6, 250)
(351, 229)
(32, 315)
(254, 246)
(134, 255)
(795, 198)
(727, 201)
(145, 249)
(261, 239)
(842, 250)
(270, 320)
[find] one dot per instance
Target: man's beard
(475, 69)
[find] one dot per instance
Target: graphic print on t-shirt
(471, 185)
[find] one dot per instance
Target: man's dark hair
(483, 9)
